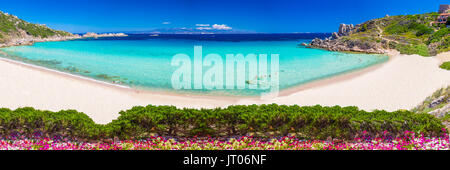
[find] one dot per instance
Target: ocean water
(144, 61)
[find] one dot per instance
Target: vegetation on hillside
(409, 34)
(11, 27)
(437, 105)
(314, 122)
(436, 100)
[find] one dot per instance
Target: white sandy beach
(401, 83)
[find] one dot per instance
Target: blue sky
(264, 16)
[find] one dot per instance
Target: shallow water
(144, 62)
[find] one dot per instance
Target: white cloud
(204, 28)
(221, 27)
(212, 27)
(166, 23)
(202, 25)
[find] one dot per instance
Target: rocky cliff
(437, 105)
(344, 40)
(14, 31)
(409, 34)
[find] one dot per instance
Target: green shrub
(5, 23)
(411, 26)
(446, 65)
(364, 28)
(422, 30)
(445, 45)
(36, 30)
(438, 35)
(396, 29)
(63, 123)
(419, 49)
(315, 122)
(446, 118)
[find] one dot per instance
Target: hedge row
(314, 122)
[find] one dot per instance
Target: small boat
(154, 35)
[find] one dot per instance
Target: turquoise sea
(144, 61)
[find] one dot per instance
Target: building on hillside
(444, 9)
(442, 18)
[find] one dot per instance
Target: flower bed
(409, 142)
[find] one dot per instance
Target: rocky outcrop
(304, 44)
(443, 110)
(345, 30)
(335, 35)
(14, 32)
(408, 34)
(356, 45)
(342, 41)
(30, 40)
(437, 105)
